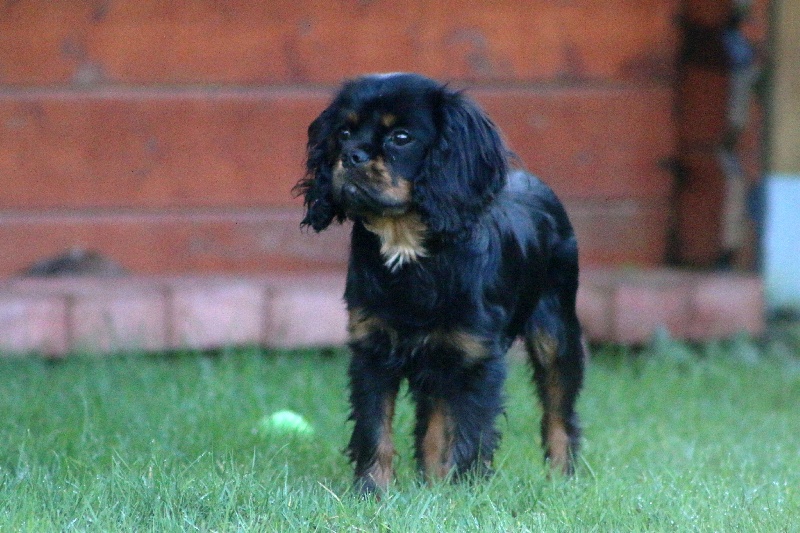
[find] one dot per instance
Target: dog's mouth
(360, 200)
(370, 191)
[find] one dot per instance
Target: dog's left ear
(464, 169)
(316, 186)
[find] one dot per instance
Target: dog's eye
(344, 134)
(400, 137)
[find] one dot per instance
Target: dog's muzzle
(360, 193)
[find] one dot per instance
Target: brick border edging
(629, 306)
(56, 317)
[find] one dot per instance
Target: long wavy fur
(464, 170)
(461, 174)
(315, 187)
(478, 256)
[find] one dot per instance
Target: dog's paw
(366, 487)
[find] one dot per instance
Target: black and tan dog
(454, 255)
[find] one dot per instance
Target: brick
(130, 319)
(306, 312)
(139, 43)
(33, 324)
(209, 313)
(643, 306)
(58, 316)
(726, 304)
(595, 311)
(105, 314)
(75, 286)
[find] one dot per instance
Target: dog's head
(390, 145)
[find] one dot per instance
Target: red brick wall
(169, 135)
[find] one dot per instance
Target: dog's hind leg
(557, 352)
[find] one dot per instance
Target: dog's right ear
(316, 186)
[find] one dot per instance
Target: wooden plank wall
(784, 154)
(168, 135)
(703, 90)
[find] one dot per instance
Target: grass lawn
(675, 440)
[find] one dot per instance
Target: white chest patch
(401, 238)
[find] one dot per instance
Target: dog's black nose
(354, 158)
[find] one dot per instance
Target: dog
(455, 253)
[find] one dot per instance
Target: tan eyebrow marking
(352, 118)
(388, 120)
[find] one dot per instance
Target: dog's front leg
(455, 434)
(373, 391)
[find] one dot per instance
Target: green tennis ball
(284, 423)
